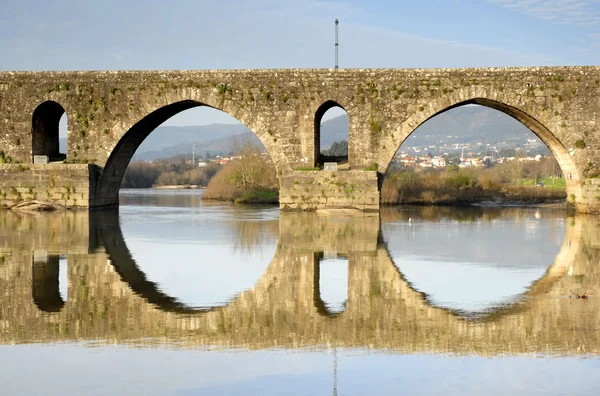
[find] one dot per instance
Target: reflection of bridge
(110, 299)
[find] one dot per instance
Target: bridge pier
(344, 189)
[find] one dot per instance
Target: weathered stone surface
(311, 190)
(67, 185)
(111, 112)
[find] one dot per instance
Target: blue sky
(183, 34)
(232, 34)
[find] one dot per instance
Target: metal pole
(336, 43)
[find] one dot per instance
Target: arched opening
(189, 139)
(331, 283)
(46, 285)
(331, 135)
(471, 136)
(477, 152)
(45, 132)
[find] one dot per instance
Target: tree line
(167, 171)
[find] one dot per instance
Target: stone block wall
(70, 185)
(590, 202)
(312, 190)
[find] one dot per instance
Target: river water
(172, 295)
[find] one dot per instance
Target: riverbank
(465, 188)
(250, 180)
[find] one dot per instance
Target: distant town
(222, 160)
(467, 155)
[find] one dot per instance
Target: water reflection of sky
(76, 370)
(200, 256)
(474, 266)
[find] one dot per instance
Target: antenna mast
(337, 22)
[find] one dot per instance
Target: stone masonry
(110, 113)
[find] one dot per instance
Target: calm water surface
(171, 295)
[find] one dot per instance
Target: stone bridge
(110, 113)
(110, 299)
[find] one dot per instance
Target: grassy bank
(465, 187)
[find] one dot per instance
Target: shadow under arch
(109, 183)
(522, 302)
(456, 99)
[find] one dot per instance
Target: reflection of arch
(463, 97)
(320, 305)
(44, 130)
(283, 277)
(108, 186)
(111, 237)
(521, 302)
(324, 108)
(45, 287)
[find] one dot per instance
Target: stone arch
(44, 130)
(494, 100)
(107, 189)
(324, 108)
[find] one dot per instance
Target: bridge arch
(324, 108)
(495, 101)
(45, 130)
(107, 189)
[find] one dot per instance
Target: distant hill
(465, 125)
(470, 124)
(218, 146)
(168, 136)
(219, 139)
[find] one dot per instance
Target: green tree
(337, 149)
